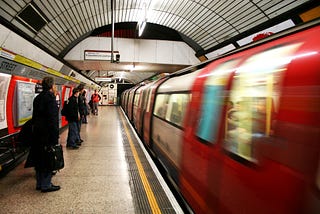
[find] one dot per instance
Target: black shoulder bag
(54, 157)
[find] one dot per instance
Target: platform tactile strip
(141, 202)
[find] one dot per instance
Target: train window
(213, 101)
(176, 108)
(161, 105)
(253, 99)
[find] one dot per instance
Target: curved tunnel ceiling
(58, 25)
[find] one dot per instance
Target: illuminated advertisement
(25, 93)
(4, 85)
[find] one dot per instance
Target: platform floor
(110, 173)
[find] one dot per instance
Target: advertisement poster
(25, 92)
(4, 85)
(66, 94)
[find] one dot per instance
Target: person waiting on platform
(73, 117)
(95, 97)
(86, 108)
(82, 103)
(82, 109)
(45, 121)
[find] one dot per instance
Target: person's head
(80, 87)
(75, 92)
(47, 83)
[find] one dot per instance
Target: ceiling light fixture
(141, 27)
(143, 19)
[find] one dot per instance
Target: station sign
(99, 55)
(102, 79)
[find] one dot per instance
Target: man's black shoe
(51, 189)
(78, 143)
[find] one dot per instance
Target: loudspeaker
(117, 57)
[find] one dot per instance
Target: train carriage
(147, 119)
(171, 100)
(255, 125)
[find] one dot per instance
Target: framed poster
(4, 85)
(25, 93)
(66, 94)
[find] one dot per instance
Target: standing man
(45, 120)
(81, 102)
(82, 110)
(86, 109)
(95, 97)
(73, 118)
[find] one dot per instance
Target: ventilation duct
(32, 18)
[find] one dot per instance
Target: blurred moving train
(242, 133)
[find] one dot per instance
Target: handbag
(54, 157)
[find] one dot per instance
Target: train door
(201, 134)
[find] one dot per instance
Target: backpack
(65, 108)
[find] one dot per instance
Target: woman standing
(45, 119)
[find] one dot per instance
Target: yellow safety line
(151, 198)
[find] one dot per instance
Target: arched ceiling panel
(205, 24)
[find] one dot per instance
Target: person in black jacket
(73, 118)
(86, 108)
(81, 102)
(82, 110)
(45, 126)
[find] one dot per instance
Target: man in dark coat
(45, 121)
(81, 101)
(73, 118)
(82, 110)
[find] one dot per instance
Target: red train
(240, 134)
